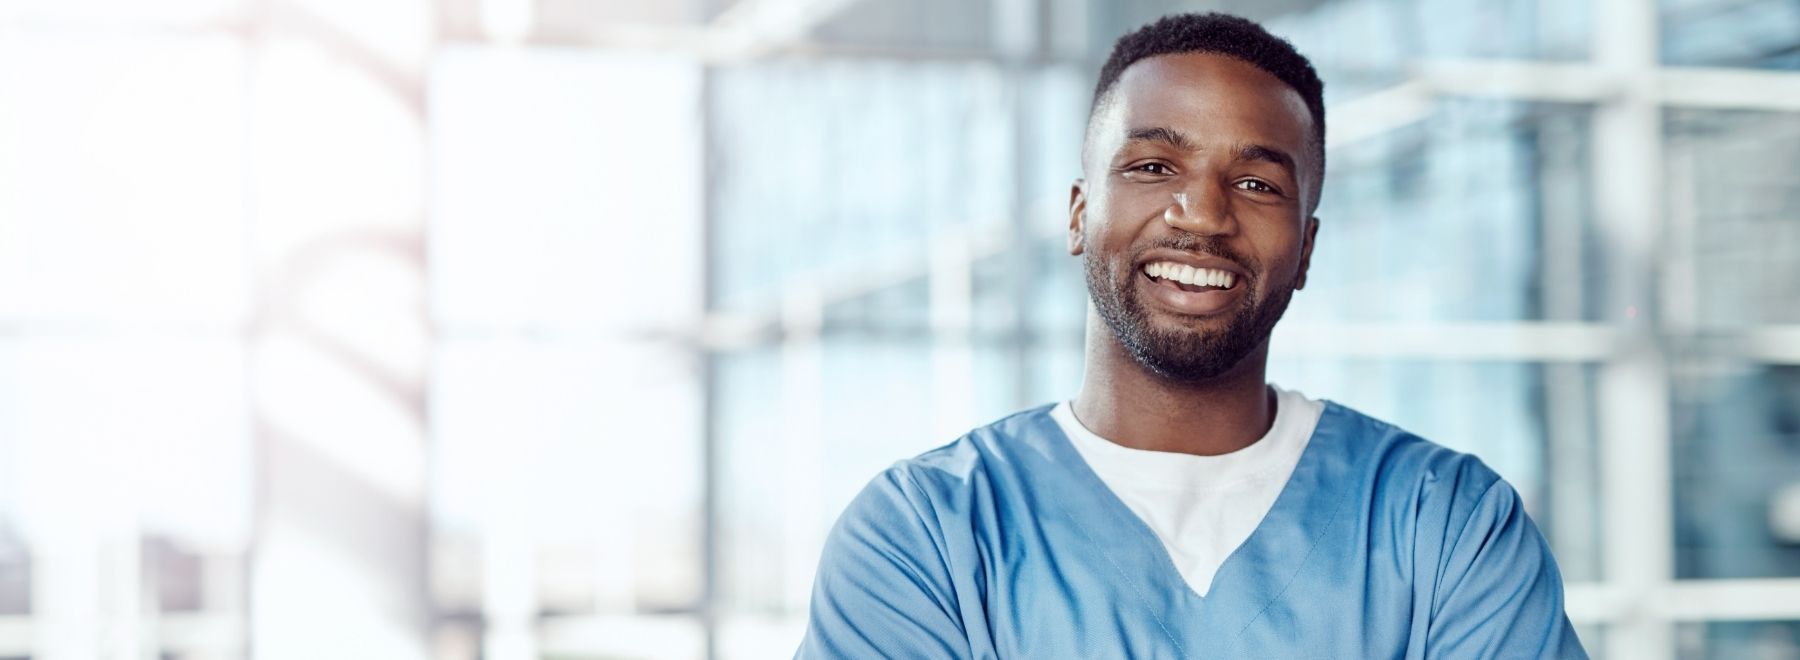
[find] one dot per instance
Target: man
(1180, 506)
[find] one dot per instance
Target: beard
(1184, 354)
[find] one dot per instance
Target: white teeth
(1190, 275)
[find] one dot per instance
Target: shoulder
(967, 463)
(1393, 455)
(1409, 478)
(949, 476)
(1473, 555)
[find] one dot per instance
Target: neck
(1123, 402)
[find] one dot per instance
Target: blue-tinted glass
(828, 168)
(1055, 372)
(1735, 640)
(1056, 306)
(996, 382)
(1055, 317)
(1055, 123)
(896, 310)
(1732, 196)
(1759, 34)
(1363, 45)
(1467, 212)
(1737, 470)
(1592, 636)
(932, 25)
(879, 402)
(747, 425)
(1359, 46)
(1000, 281)
(800, 430)
(1029, 306)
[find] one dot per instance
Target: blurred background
(507, 329)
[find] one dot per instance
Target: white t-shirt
(1201, 507)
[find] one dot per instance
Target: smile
(1191, 291)
(1189, 278)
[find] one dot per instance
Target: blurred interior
(507, 329)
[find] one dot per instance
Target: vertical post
(1636, 486)
(951, 292)
(1018, 39)
(802, 399)
(121, 600)
(508, 569)
(339, 426)
(709, 376)
(65, 597)
(1570, 459)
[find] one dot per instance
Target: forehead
(1214, 98)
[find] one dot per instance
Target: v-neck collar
(1254, 576)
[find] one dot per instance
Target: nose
(1202, 209)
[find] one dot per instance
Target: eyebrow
(1243, 152)
(1265, 154)
(1162, 134)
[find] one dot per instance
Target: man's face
(1194, 222)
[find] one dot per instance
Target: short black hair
(1220, 34)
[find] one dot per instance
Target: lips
(1190, 278)
(1191, 286)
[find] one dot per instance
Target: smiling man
(1181, 506)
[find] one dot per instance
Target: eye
(1256, 185)
(1152, 168)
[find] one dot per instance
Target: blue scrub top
(1004, 544)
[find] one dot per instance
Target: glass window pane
(843, 169)
(1477, 213)
(1363, 45)
(1737, 469)
(1057, 298)
(940, 25)
(1760, 34)
(750, 431)
(1732, 196)
(897, 310)
(1748, 640)
(802, 429)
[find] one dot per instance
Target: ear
(1077, 215)
(1306, 250)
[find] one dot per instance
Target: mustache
(1208, 246)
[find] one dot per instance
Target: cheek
(1279, 247)
(1116, 220)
